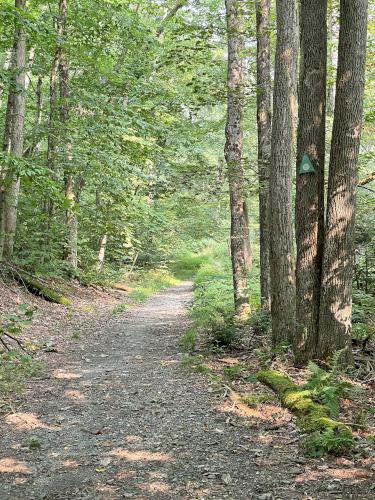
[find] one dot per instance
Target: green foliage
(362, 331)
(120, 308)
(34, 443)
(15, 369)
(188, 342)
(76, 335)
(327, 441)
(196, 364)
(327, 387)
(146, 283)
(234, 372)
(15, 365)
(187, 265)
(11, 325)
(328, 435)
(363, 317)
(260, 321)
(253, 400)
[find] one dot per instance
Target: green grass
(146, 283)
(188, 264)
(213, 311)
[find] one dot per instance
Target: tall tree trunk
(310, 186)
(35, 146)
(335, 325)
(234, 156)
(14, 136)
(70, 216)
(283, 131)
(6, 148)
(104, 237)
(333, 30)
(101, 254)
(264, 89)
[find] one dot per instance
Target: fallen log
(312, 416)
(36, 287)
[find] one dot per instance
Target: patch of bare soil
(115, 415)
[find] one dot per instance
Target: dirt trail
(126, 420)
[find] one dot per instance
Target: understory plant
(16, 365)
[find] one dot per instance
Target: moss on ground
(312, 416)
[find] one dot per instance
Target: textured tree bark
(70, 216)
(264, 89)
(310, 187)
(101, 254)
(283, 130)
(6, 148)
(14, 137)
(333, 30)
(52, 131)
(35, 146)
(234, 157)
(336, 295)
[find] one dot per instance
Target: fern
(327, 387)
(321, 443)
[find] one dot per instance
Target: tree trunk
(71, 221)
(333, 30)
(70, 216)
(234, 157)
(36, 144)
(335, 325)
(6, 148)
(264, 89)
(101, 254)
(14, 137)
(284, 112)
(310, 186)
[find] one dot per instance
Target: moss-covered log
(38, 288)
(312, 416)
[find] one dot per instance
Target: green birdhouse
(306, 165)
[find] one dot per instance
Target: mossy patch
(312, 416)
(37, 288)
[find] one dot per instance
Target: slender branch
(367, 180)
(170, 15)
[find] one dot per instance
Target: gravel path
(124, 419)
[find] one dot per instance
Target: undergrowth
(212, 311)
(16, 365)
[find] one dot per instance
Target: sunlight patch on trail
(27, 422)
(75, 395)
(155, 487)
(62, 374)
(350, 473)
(13, 466)
(140, 456)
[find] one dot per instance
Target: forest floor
(115, 414)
